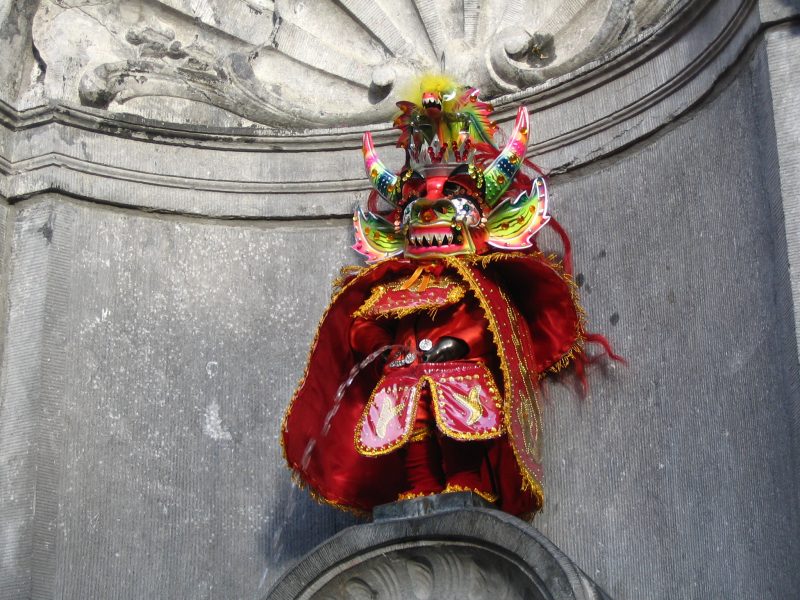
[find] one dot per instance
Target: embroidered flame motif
(471, 403)
(388, 412)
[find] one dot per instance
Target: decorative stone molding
(449, 546)
(269, 62)
(208, 161)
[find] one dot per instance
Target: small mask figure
(424, 374)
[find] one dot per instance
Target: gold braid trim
(377, 293)
(455, 294)
(452, 488)
(460, 265)
(552, 261)
(412, 495)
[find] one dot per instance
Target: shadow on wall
(298, 524)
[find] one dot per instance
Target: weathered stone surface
(147, 358)
(147, 367)
(21, 68)
(682, 447)
(782, 185)
(268, 61)
(439, 547)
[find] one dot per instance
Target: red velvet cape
(536, 325)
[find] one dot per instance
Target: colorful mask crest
(447, 201)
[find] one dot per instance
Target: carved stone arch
(441, 547)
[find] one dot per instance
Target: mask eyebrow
(451, 188)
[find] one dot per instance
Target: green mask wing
(376, 238)
(513, 223)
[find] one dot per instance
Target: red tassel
(567, 259)
(534, 166)
(596, 338)
(580, 372)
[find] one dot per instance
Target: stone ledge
(449, 546)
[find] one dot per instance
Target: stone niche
(177, 180)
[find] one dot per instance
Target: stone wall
(165, 262)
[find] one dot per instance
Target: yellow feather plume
(428, 82)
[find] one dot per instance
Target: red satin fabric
(526, 292)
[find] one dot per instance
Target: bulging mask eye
(408, 211)
(466, 211)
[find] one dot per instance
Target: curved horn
(382, 179)
(501, 172)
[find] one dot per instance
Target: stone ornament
(438, 570)
(268, 62)
(438, 548)
(220, 164)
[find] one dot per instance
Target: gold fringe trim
(580, 333)
(452, 488)
(453, 296)
(459, 263)
(412, 495)
(345, 273)
(379, 291)
(298, 480)
(399, 313)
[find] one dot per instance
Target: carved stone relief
(437, 548)
(271, 63)
(430, 572)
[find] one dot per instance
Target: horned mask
(451, 207)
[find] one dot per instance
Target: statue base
(437, 547)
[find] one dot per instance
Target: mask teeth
(431, 240)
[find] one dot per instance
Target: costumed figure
(424, 374)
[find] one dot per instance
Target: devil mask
(445, 202)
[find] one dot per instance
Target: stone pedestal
(447, 547)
